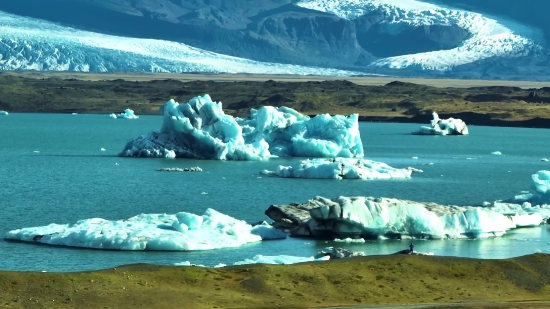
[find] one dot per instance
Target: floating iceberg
(438, 126)
(200, 129)
(340, 168)
(4, 113)
(178, 232)
(539, 195)
(280, 259)
(128, 114)
(370, 217)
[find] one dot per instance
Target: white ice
(33, 44)
(264, 259)
(200, 129)
(538, 199)
(439, 126)
(340, 168)
(496, 153)
(163, 232)
(128, 114)
(489, 36)
(368, 217)
(4, 113)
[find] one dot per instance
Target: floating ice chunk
(438, 126)
(103, 149)
(544, 160)
(74, 113)
(200, 129)
(369, 217)
(3, 113)
(279, 259)
(178, 169)
(540, 195)
(350, 240)
(415, 158)
(496, 153)
(340, 168)
(179, 232)
(36, 151)
(128, 114)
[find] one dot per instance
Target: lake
(52, 170)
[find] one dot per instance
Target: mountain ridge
(407, 38)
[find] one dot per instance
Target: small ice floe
(4, 113)
(439, 126)
(36, 151)
(116, 163)
(544, 160)
(74, 113)
(496, 153)
(350, 240)
(415, 158)
(178, 169)
(428, 163)
(204, 193)
(128, 114)
(103, 149)
(414, 170)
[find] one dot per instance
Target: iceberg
(4, 113)
(128, 114)
(340, 168)
(538, 200)
(438, 126)
(200, 129)
(280, 260)
(369, 217)
(182, 231)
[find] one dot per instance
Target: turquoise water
(53, 171)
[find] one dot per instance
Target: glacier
(490, 36)
(182, 231)
(33, 44)
(200, 129)
(340, 168)
(438, 126)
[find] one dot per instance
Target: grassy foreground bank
(399, 279)
(373, 98)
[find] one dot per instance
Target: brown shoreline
(375, 99)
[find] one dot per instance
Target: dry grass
(371, 280)
(373, 98)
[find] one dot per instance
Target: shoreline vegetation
(374, 98)
(371, 280)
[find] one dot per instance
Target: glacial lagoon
(60, 168)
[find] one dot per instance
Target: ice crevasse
(200, 129)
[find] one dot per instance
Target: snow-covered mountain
(455, 38)
(488, 36)
(31, 44)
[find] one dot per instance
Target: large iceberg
(370, 217)
(200, 129)
(340, 168)
(164, 232)
(438, 126)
